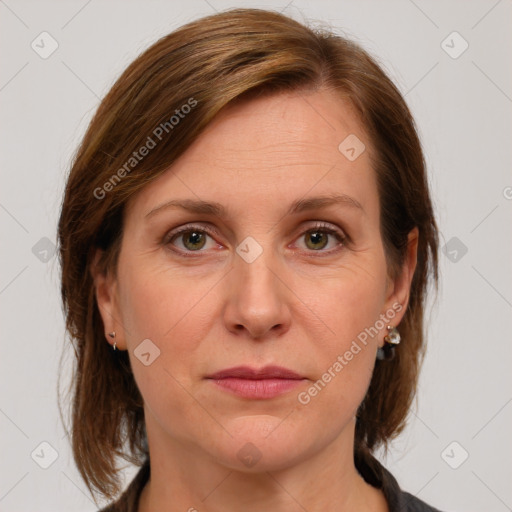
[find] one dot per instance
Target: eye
(317, 238)
(190, 238)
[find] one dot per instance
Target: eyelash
(318, 227)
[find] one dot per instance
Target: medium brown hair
(211, 63)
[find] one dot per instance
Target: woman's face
(268, 276)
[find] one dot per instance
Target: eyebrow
(301, 205)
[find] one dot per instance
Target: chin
(262, 443)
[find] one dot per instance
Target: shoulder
(378, 476)
(413, 504)
(401, 501)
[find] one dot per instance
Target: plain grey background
(455, 453)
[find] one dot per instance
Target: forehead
(291, 124)
(267, 149)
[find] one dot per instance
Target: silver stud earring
(113, 335)
(387, 352)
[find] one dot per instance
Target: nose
(257, 304)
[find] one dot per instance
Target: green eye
(319, 239)
(189, 238)
(193, 240)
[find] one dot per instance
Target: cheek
(350, 307)
(167, 308)
(157, 303)
(351, 304)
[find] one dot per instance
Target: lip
(246, 372)
(263, 383)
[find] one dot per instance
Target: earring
(113, 335)
(387, 352)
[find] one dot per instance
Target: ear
(105, 288)
(398, 290)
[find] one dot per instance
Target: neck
(190, 480)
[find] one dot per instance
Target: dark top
(374, 473)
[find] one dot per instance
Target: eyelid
(333, 230)
(189, 227)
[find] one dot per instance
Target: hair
(209, 64)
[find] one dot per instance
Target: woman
(246, 241)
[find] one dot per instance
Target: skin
(300, 305)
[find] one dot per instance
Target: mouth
(264, 383)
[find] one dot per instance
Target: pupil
(316, 237)
(194, 238)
